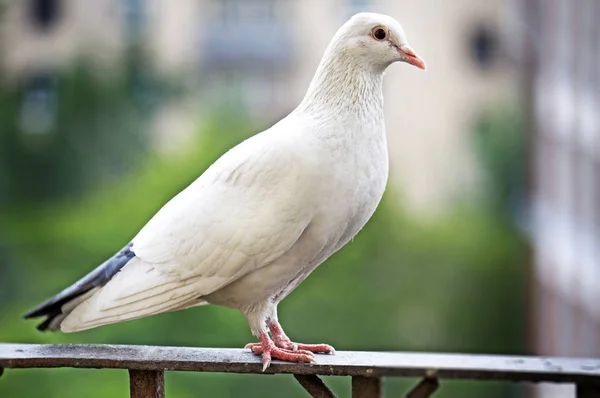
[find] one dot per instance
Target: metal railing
(146, 365)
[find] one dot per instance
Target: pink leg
(269, 350)
(282, 341)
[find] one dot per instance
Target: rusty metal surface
(366, 387)
(370, 364)
(314, 386)
(424, 389)
(147, 384)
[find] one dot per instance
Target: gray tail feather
(58, 307)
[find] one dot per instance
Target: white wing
(245, 211)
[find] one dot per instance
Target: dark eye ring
(379, 33)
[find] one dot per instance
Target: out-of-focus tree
(61, 134)
(500, 148)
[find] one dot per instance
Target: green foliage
(453, 284)
(500, 146)
(63, 133)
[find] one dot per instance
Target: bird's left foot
(282, 348)
(269, 350)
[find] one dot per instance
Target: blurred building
(259, 56)
(44, 35)
(431, 116)
(562, 48)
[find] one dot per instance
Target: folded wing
(247, 210)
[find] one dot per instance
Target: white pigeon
(267, 213)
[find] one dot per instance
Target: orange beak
(410, 57)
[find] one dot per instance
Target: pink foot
(281, 347)
(282, 341)
(267, 348)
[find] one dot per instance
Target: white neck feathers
(344, 84)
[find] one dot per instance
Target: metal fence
(147, 364)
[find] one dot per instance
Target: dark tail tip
(44, 326)
(52, 308)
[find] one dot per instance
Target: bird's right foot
(269, 351)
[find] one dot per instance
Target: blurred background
(487, 240)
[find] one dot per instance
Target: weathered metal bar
(343, 363)
(424, 389)
(588, 391)
(314, 386)
(366, 387)
(146, 383)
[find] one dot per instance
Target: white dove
(267, 213)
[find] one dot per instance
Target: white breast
(351, 174)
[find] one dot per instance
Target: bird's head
(376, 39)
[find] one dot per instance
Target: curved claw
(266, 363)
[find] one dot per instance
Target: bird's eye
(379, 33)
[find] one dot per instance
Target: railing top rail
(343, 363)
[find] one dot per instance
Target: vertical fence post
(146, 383)
(366, 387)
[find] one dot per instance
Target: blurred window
(44, 13)
(243, 11)
(135, 16)
(40, 104)
(246, 31)
(483, 46)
